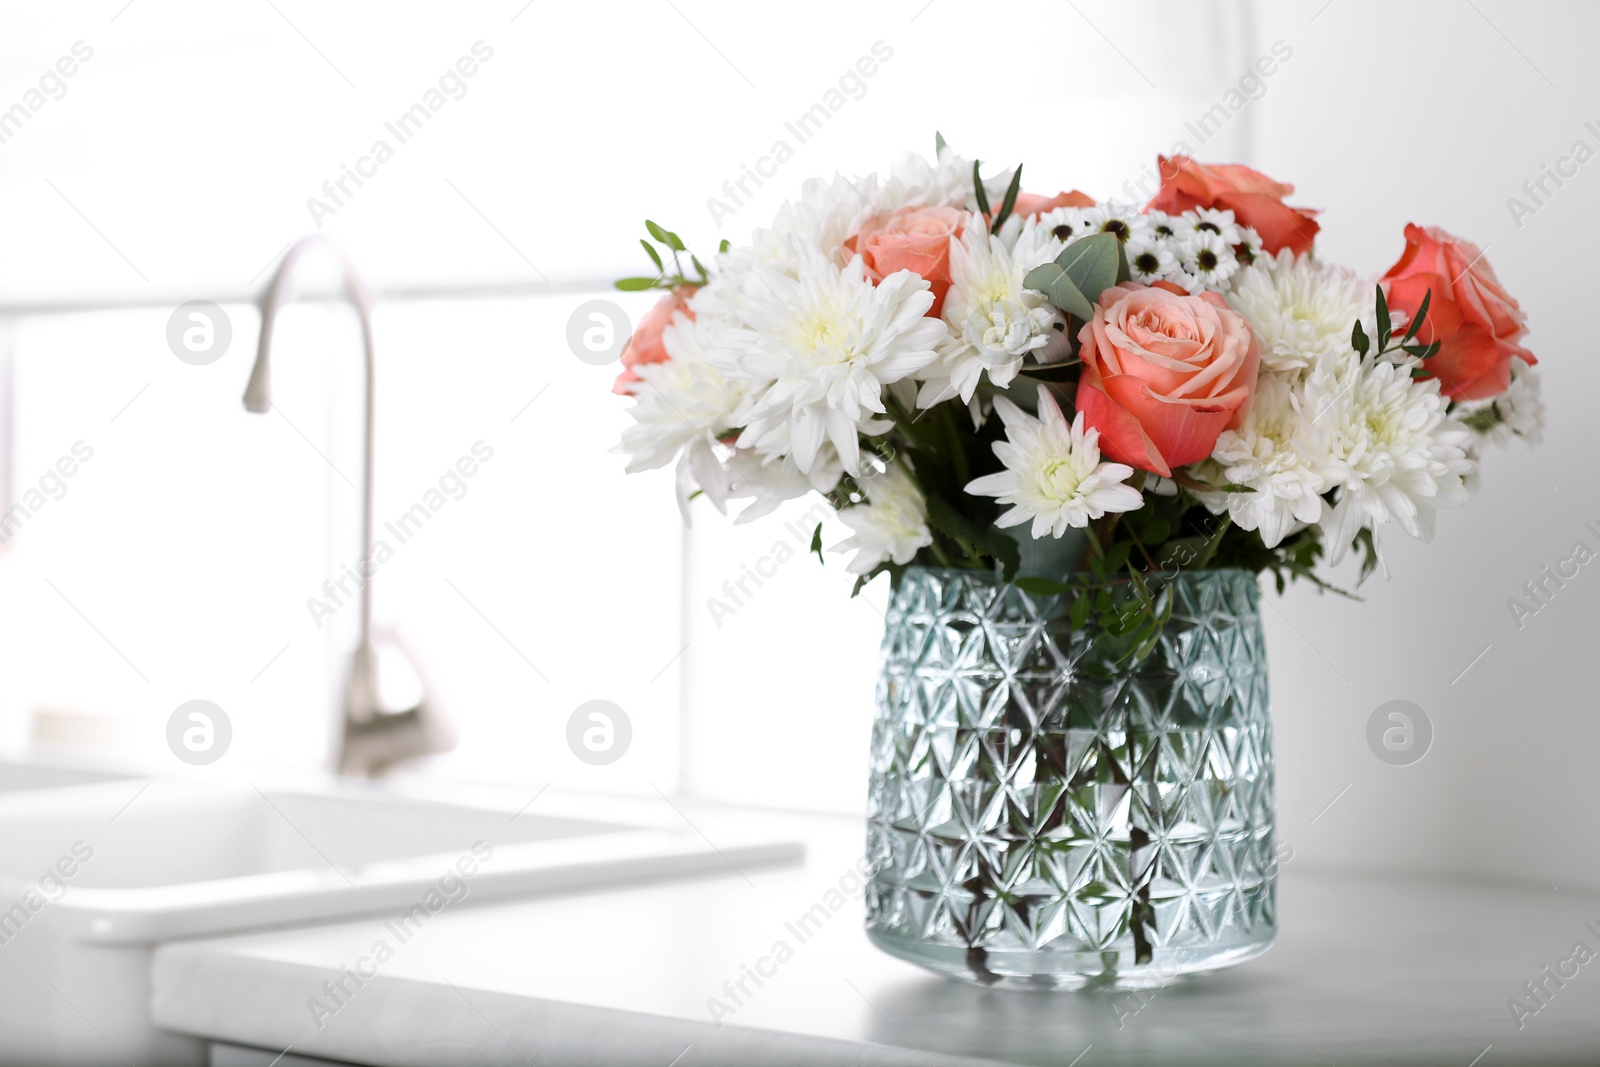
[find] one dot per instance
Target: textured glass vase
(1043, 816)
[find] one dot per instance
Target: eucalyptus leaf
(1058, 287)
(1092, 264)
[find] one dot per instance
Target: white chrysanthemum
(1522, 406)
(769, 481)
(1053, 474)
(682, 406)
(891, 526)
(1518, 410)
(1150, 258)
(1394, 452)
(1300, 309)
(828, 341)
(1208, 258)
(1276, 454)
(994, 321)
(825, 215)
(946, 182)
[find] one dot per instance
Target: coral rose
(1255, 200)
(645, 345)
(910, 238)
(1476, 322)
(1030, 204)
(1164, 373)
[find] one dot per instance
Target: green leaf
(1383, 320)
(666, 237)
(650, 250)
(1052, 372)
(1210, 549)
(1057, 286)
(725, 245)
(635, 285)
(1124, 272)
(816, 544)
(1419, 317)
(1181, 552)
(986, 539)
(698, 266)
(1010, 201)
(1155, 532)
(938, 144)
(1079, 614)
(1358, 339)
(1092, 264)
(1041, 586)
(978, 190)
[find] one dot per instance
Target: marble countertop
(1366, 970)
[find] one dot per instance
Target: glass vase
(1047, 812)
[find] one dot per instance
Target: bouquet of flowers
(1080, 395)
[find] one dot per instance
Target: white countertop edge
(401, 1022)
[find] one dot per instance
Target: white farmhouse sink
(26, 777)
(92, 877)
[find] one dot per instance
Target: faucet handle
(388, 715)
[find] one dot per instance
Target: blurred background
(192, 143)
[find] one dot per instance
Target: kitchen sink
(93, 876)
(26, 777)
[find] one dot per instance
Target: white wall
(1437, 113)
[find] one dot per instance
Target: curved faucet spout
(258, 394)
(376, 731)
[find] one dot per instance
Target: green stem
(958, 448)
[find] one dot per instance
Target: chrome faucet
(376, 729)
